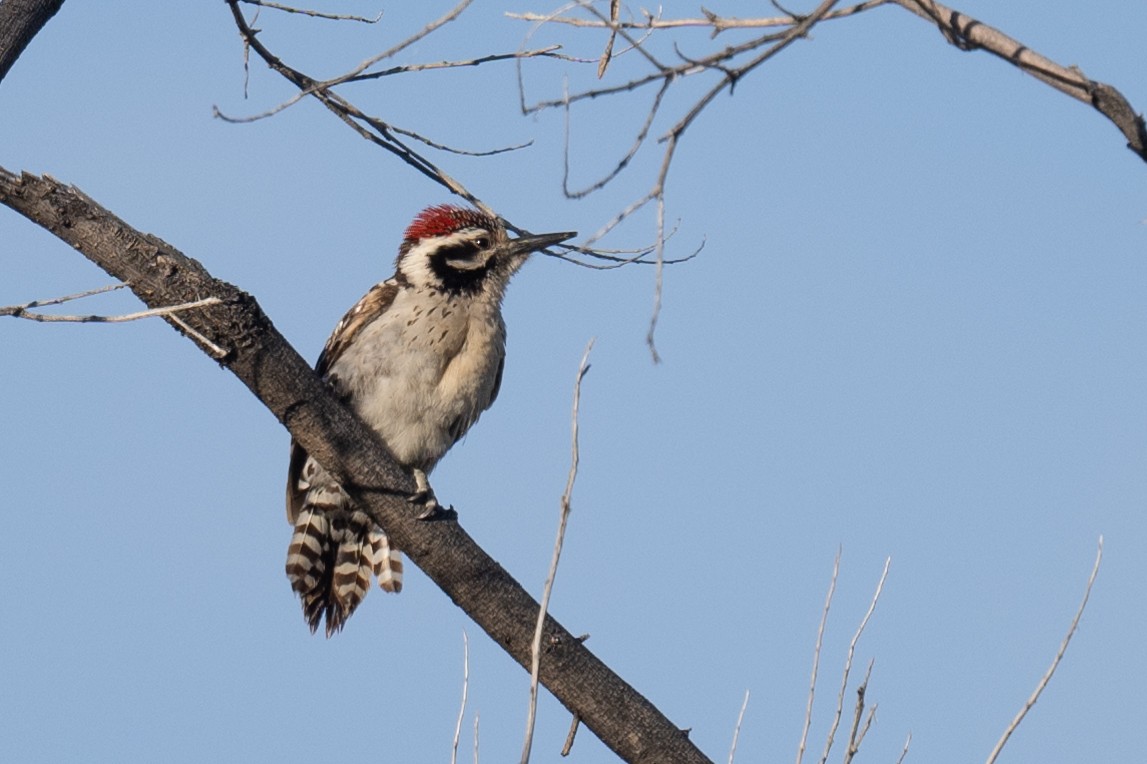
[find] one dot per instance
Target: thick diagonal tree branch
(20, 21)
(263, 360)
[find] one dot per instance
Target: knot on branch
(957, 30)
(1112, 104)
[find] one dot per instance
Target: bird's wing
(370, 307)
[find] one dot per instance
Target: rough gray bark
(20, 21)
(967, 33)
(263, 360)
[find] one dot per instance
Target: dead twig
(848, 660)
(737, 729)
(904, 751)
(536, 646)
(1031, 701)
(718, 23)
(169, 312)
(465, 692)
(816, 656)
(575, 722)
(312, 13)
(856, 733)
(967, 33)
(24, 311)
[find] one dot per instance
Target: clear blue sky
(918, 330)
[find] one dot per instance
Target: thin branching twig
(11, 310)
(737, 729)
(904, 750)
(816, 657)
(25, 310)
(848, 661)
(465, 692)
(575, 723)
(711, 20)
(21, 311)
(395, 139)
(169, 312)
(1031, 701)
(313, 13)
(856, 733)
(536, 647)
(475, 737)
(720, 63)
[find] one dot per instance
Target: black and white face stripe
(461, 261)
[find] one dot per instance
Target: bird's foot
(424, 496)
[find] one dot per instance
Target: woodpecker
(419, 358)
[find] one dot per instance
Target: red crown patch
(444, 219)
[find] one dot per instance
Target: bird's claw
(431, 509)
(424, 495)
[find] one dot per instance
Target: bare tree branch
(22, 311)
(904, 751)
(967, 33)
(375, 130)
(380, 132)
(816, 657)
(575, 722)
(263, 360)
(475, 738)
(716, 22)
(719, 62)
(563, 520)
(13, 309)
(737, 729)
(20, 21)
(1031, 701)
(856, 733)
(730, 65)
(465, 692)
(848, 660)
(313, 13)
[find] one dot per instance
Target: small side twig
(23, 311)
(575, 722)
(465, 691)
(607, 54)
(475, 738)
(536, 646)
(313, 13)
(218, 352)
(14, 309)
(1055, 661)
(737, 729)
(816, 657)
(848, 660)
(856, 733)
(904, 751)
(169, 312)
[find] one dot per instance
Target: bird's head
(461, 250)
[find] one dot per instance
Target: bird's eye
(481, 242)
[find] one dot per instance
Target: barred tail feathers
(330, 561)
(309, 562)
(387, 562)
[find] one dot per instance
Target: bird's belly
(421, 390)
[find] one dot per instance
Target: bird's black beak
(524, 245)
